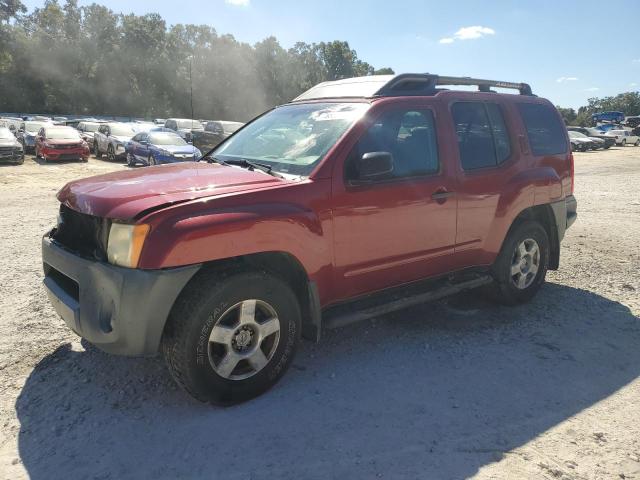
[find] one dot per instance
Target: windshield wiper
(250, 165)
(211, 159)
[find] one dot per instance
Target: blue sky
(567, 50)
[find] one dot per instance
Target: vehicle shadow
(437, 391)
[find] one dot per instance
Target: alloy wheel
(244, 339)
(525, 263)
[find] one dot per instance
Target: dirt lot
(456, 389)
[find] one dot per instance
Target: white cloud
(239, 3)
(591, 89)
(633, 84)
(566, 79)
(469, 33)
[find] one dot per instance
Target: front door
(400, 227)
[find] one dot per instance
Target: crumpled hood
(123, 195)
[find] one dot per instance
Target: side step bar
(341, 316)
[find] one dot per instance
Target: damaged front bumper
(120, 310)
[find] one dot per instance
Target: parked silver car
(111, 138)
(87, 131)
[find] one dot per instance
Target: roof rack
(406, 84)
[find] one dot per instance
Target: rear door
(488, 158)
(401, 227)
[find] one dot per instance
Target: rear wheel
(232, 337)
(130, 160)
(521, 266)
(624, 142)
(111, 154)
(637, 144)
(152, 160)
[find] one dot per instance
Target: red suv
(360, 197)
(61, 143)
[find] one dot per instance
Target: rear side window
(546, 133)
(483, 139)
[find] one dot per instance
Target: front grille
(67, 145)
(83, 234)
(7, 150)
(68, 156)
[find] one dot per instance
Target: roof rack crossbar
(427, 83)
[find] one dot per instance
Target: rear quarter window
(545, 131)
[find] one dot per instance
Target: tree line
(62, 58)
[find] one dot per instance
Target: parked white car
(111, 138)
(625, 137)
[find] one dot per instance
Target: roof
(406, 84)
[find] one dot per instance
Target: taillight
(571, 171)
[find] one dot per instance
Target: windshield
(33, 126)
(294, 138)
(166, 139)
(63, 134)
(122, 130)
(193, 124)
(91, 127)
(5, 134)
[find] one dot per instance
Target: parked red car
(61, 143)
(360, 197)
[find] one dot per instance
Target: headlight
(125, 244)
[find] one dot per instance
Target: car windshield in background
(573, 134)
(33, 126)
(5, 134)
(91, 127)
(193, 124)
(122, 130)
(63, 134)
(166, 139)
(294, 138)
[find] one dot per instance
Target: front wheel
(521, 266)
(152, 161)
(637, 144)
(624, 143)
(111, 154)
(96, 150)
(130, 160)
(231, 337)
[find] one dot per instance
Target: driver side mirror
(374, 166)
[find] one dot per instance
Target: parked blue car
(155, 148)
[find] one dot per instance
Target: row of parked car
(146, 143)
(603, 136)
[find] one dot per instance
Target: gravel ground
(456, 389)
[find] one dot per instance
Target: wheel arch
(543, 214)
(283, 265)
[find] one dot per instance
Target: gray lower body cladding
(120, 310)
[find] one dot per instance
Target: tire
(508, 288)
(151, 160)
(130, 160)
(111, 154)
(637, 144)
(215, 299)
(624, 143)
(96, 150)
